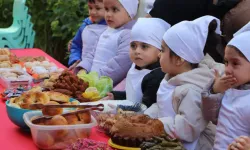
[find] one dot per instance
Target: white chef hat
(149, 5)
(188, 38)
(131, 7)
(241, 40)
(150, 31)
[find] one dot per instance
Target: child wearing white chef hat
(111, 55)
(179, 96)
(145, 75)
(234, 113)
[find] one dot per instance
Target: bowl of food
(17, 106)
(15, 114)
(59, 131)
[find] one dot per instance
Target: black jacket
(149, 86)
(175, 11)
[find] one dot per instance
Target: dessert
(130, 129)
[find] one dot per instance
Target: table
(11, 136)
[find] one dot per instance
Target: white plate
(114, 102)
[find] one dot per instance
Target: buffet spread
(60, 108)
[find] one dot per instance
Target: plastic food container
(57, 137)
(8, 83)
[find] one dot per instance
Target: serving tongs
(40, 119)
(41, 106)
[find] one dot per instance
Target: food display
(163, 142)
(130, 129)
(10, 78)
(41, 70)
(71, 85)
(87, 144)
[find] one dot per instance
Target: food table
(11, 136)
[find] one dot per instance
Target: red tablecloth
(11, 136)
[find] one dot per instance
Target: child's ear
(179, 61)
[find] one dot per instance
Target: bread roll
(4, 58)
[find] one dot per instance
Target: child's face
(166, 61)
(143, 54)
(96, 11)
(115, 14)
(237, 66)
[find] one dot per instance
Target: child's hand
(72, 67)
(241, 143)
(221, 84)
(110, 96)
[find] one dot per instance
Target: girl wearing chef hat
(234, 113)
(110, 56)
(179, 96)
(145, 75)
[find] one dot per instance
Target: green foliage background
(55, 23)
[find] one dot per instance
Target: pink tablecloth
(11, 136)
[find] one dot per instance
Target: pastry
(5, 64)
(71, 118)
(43, 76)
(52, 111)
(44, 139)
(58, 120)
(4, 51)
(58, 97)
(28, 98)
(4, 58)
(85, 117)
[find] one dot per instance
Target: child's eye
(235, 63)
(90, 8)
(225, 62)
(144, 46)
(115, 9)
(98, 8)
(133, 46)
(106, 9)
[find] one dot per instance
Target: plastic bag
(103, 85)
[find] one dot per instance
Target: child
(179, 94)
(241, 143)
(234, 118)
(111, 55)
(96, 13)
(145, 75)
